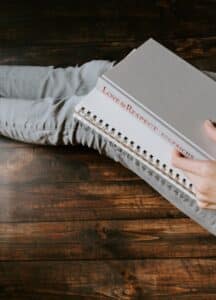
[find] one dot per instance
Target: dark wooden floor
(76, 225)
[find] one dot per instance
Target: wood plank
(90, 240)
(95, 200)
(128, 279)
(200, 52)
(199, 8)
(65, 183)
(60, 296)
(158, 19)
(58, 164)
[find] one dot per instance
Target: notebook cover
(172, 90)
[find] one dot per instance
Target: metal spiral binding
(143, 153)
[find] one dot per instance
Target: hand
(201, 173)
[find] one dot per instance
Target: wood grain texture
(198, 51)
(98, 240)
(112, 279)
(73, 223)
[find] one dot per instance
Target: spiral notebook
(149, 103)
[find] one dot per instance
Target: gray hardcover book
(176, 93)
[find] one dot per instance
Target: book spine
(124, 102)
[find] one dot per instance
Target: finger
(206, 205)
(193, 178)
(201, 197)
(186, 164)
(202, 204)
(200, 186)
(205, 199)
(210, 130)
(196, 180)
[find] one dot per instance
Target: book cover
(177, 96)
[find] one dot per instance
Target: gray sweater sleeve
(37, 103)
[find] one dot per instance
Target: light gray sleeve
(29, 82)
(37, 103)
